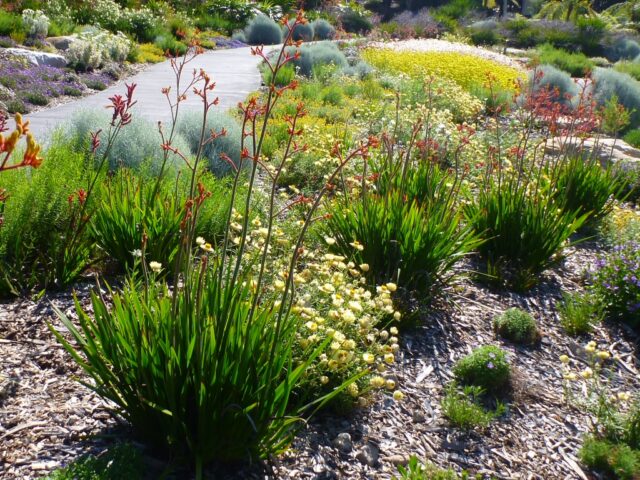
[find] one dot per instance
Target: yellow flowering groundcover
(466, 70)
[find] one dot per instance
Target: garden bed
(49, 419)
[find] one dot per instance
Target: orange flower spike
(10, 142)
(31, 156)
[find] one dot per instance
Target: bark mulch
(48, 419)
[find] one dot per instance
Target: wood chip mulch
(48, 419)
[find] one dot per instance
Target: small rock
(39, 58)
(6, 94)
(397, 460)
(61, 43)
(343, 442)
(368, 455)
(419, 417)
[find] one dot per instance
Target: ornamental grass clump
(262, 30)
(517, 326)
(204, 369)
(485, 367)
(583, 185)
(401, 219)
(516, 209)
(323, 30)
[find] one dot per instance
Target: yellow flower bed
(466, 70)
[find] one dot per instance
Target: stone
(39, 58)
(397, 460)
(368, 455)
(6, 94)
(61, 43)
(343, 442)
(419, 417)
(605, 149)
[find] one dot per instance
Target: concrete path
(235, 72)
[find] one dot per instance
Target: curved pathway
(235, 72)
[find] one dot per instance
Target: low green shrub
(610, 83)
(16, 106)
(416, 470)
(94, 84)
(576, 64)
(168, 43)
(118, 462)
(284, 76)
(190, 126)
(484, 36)
(517, 326)
(556, 81)
(630, 68)
(10, 23)
(332, 95)
(485, 367)
(618, 460)
(463, 408)
(355, 22)
(616, 281)
(36, 98)
(38, 217)
(579, 312)
(632, 137)
(323, 30)
(592, 32)
(262, 30)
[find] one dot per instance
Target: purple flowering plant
(37, 85)
(616, 280)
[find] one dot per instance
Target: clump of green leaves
(485, 367)
(585, 187)
(517, 326)
(120, 461)
(416, 470)
(579, 312)
(463, 408)
(618, 460)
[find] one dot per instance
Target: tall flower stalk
(203, 367)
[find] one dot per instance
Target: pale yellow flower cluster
(335, 307)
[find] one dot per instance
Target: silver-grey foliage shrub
(623, 48)
(553, 79)
(608, 82)
(323, 30)
(302, 32)
(190, 125)
(359, 70)
(321, 53)
(263, 30)
(138, 145)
